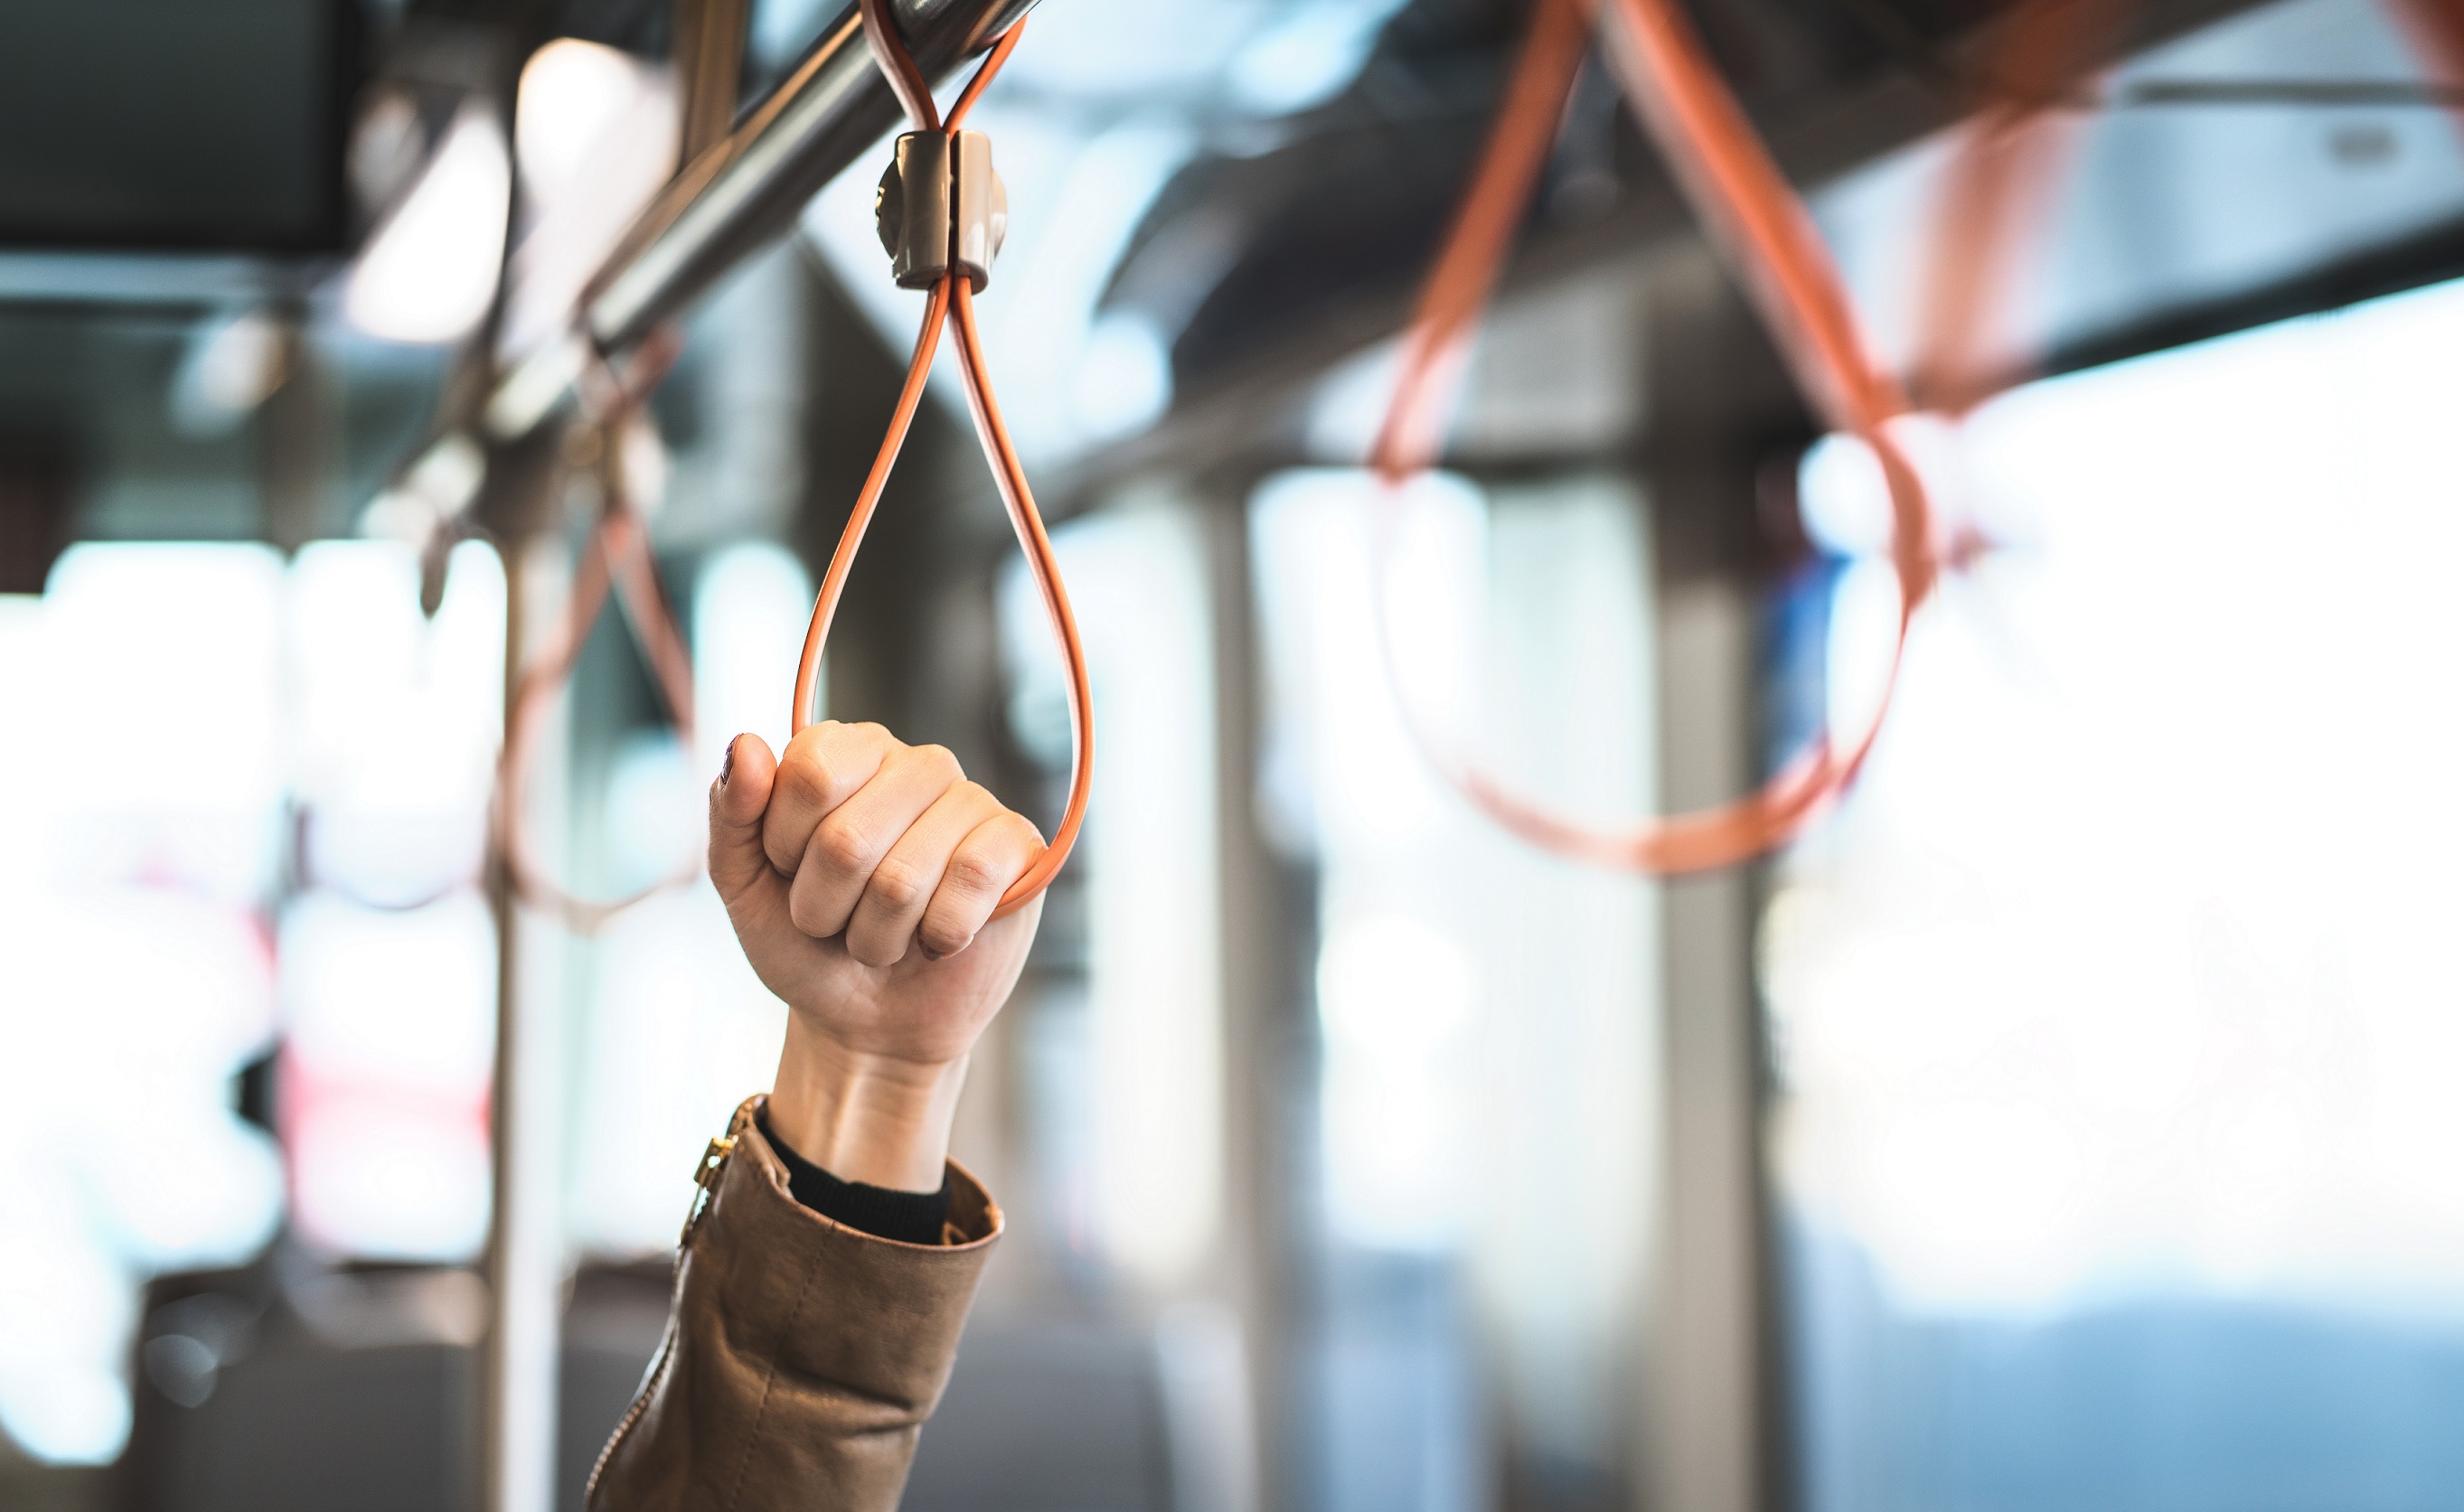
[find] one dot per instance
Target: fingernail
(727, 766)
(930, 953)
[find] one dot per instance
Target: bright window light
(376, 1180)
(1153, 1198)
(405, 999)
(595, 132)
(1399, 1004)
(70, 1309)
(430, 268)
(141, 640)
(390, 1018)
(750, 606)
(145, 1002)
(2129, 967)
(397, 715)
(1344, 769)
(172, 704)
(1489, 1016)
(656, 819)
(138, 979)
(572, 94)
(680, 1029)
(151, 1000)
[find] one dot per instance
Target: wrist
(863, 1116)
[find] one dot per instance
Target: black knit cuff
(911, 1218)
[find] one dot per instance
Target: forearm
(864, 1117)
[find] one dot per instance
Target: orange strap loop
(952, 302)
(1997, 190)
(1742, 199)
(617, 555)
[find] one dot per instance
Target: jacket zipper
(632, 1414)
(706, 1179)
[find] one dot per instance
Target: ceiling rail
(746, 189)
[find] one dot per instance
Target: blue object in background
(2152, 1403)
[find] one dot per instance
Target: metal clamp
(942, 205)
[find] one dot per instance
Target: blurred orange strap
(1743, 201)
(617, 555)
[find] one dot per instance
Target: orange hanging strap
(897, 65)
(1997, 193)
(951, 301)
(1744, 202)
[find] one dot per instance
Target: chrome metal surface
(746, 190)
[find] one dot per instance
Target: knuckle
(942, 937)
(843, 847)
(806, 777)
(974, 870)
(898, 886)
(807, 744)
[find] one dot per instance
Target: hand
(861, 874)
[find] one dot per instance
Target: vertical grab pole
(525, 1261)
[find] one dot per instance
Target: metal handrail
(746, 189)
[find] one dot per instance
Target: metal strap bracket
(941, 205)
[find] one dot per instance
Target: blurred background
(2071, 1119)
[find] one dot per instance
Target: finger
(995, 854)
(738, 800)
(823, 768)
(883, 926)
(853, 837)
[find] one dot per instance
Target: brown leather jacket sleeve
(801, 1357)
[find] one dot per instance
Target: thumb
(738, 801)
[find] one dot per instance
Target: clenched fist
(861, 874)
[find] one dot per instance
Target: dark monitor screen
(175, 124)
